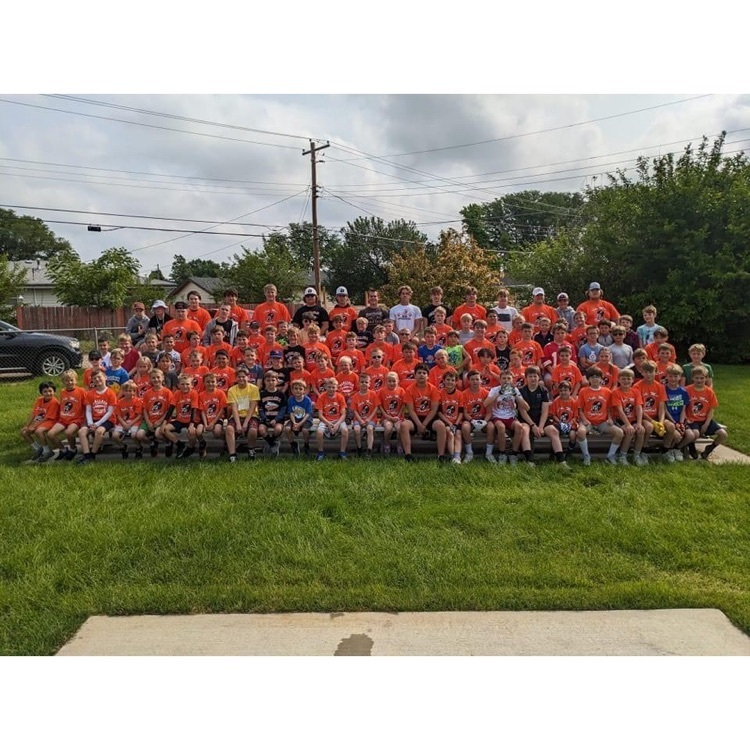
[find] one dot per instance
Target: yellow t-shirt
(242, 397)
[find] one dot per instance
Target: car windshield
(7, 326)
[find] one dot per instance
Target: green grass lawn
(132, 538)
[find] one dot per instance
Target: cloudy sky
(232, 164)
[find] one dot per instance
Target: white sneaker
(678, 455)
(612, 460)
(502, 458)
(622, 459)
(669, 457)
(640, 459)
(490, 458)
(587, 460)
(513, 459)
(468, 458)
(455, 460)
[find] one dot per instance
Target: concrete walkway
(679, 632)
(724, 455)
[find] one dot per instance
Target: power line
(151, 229)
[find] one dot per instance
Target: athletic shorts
(47, 425)
(603, 428)
(357, 423)
(178, 427)
(120, 430)
(428, 425)
(67, 422)
(712, 429)
(108, 425)
(326, 431)
(507, 422)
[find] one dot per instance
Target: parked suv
(40, 353)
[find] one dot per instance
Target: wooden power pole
(316, 243)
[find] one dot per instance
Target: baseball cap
(180, 305)
(537, 290)
(275, 353)
(254, 324)
(160, 303)
(594, 285)
(562, 295)
(310, 290)
(221, 351)
(342, 290)
(95, 354)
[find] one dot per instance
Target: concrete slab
(724, 455)
(680, 632)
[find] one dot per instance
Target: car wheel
(52, 364)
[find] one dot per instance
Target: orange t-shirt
(331, 408)
(319, 377)
(451, 405)
(88, 374)
(184, 405)
(311, 350)
(476, 311)
(609, 374)
(628, 400)
(490, 376)
(437, 375)
(336, 342)
(348, 383)
(701, 403)
(270, 313)
(441, 333)
(201, 316)
(128, 410)
(211, 350)
(46, 411)
(392, 401)
(142, 384)
(473, 403)
(308, 377)
(180, 330)
(519, 376)
(156, 403)
(653, 394)
(197, 374)
(377, 376)
(570, 374)
(532, 313)
(421, 400)
(531, 353)
(595, 404)
(405, 371)
(212, 405)
(73, 406)
(565, 411)
(100, 402)
(596, 310)
(225, 377)
(357, 358)
(365, 404)
(386, 348)
(473, 346)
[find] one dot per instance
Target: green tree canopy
(275, 264)
(183, 269)
(105, 282)
(28, 238)
(11, 283)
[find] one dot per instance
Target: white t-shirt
(405, 316)
(505, 406)
(505, 316)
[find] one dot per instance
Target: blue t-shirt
(298, 409)
(427, 354)
(116, 377)
(590, 354)
(646, 333)
(676, 400)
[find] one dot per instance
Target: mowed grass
(135, 538)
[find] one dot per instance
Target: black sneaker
(408, 457)
(359, 451)
(295, 448)
(180, 448)
(154, 449)
(124, 451)
(187, 452)
(251, 454)
(202, 448)
(61, 455)
(168, 451)
(368, 455)
(693, 451)
(306, 449)
(442, 459)
(70, 455)
(139, 452)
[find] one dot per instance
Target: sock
(584, 444)
(489, 450)
(469, 450)
(612, 450)
(456, 454)
(708, 450)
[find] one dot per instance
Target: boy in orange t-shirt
(566, 372)
(156, 403)
(627, 409)
(474, 413)
(72, 416)
(391, 398)
(128, 416)
(563, 412)
(422, 401)
(183, 414)
(450, 413)
(703, 401)
(331, 407)
(594, 403)
(363, 405)
(212, 402)
(100, 406)
(44, 415)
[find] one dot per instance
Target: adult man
(538, 309)
(344, 307)
(470, 306)
(197, 313)
(404, 314)
(271, 311)
(159, 318)
(374, 311)
(138, 323)
(238, 314)
(223, 320)
(596, 307)
(310, 300)
(436, 300)
(180, 326)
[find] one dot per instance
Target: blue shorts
(712, 429)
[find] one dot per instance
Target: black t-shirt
(320, 313)
(291, 351)
(158, 323)
(502, 357)
(271, 405)
(535, 399)
(281, 374)
(544, 338)
(374, 315)
(429, 312)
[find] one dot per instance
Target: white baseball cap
(342, 290)
(537, 290)
(160, 303)
(310, 290)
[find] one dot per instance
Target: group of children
(512, 381)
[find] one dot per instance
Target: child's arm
(107, 414)
(252, 407)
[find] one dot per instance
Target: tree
(12, 281)
(200, 267)
(27, 238)
(454, 263)
(519, 220)
(363, 260)
(252, 270)
(105, 282)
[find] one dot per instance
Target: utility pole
(316, 244)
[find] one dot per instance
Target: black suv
(39, 353)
